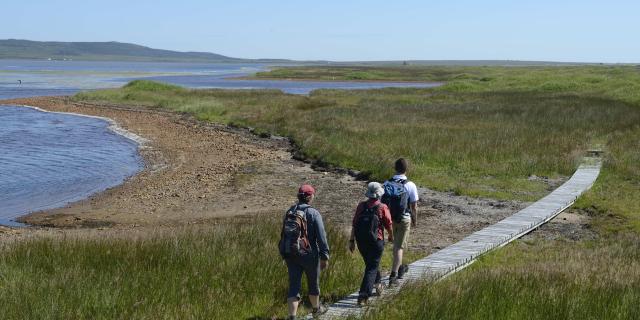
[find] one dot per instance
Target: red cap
(306, 190)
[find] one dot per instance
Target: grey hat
(374, 190)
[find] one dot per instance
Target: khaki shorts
(401, 233)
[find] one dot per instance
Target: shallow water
(23, 78)
(50, 159)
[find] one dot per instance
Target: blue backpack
(396, 198)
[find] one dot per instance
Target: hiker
(369, 222)
(401, 196)
(304, 247)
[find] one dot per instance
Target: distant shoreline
(434, 83)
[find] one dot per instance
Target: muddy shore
(198, 174)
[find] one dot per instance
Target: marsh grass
(220, 272)
(481, 134)
(533, 280)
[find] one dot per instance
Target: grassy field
(227, 271)
(483, 133)
(222, 272)
(538, 280)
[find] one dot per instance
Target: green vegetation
(483, 133)
(541, 280)
(222, 272)
(227, 271)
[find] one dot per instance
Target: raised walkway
(459, 255)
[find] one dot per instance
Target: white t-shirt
(411, 190)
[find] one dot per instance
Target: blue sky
(589, 31)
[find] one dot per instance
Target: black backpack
(396, 198)
(294, 239)
(367, 224)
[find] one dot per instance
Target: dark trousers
(371, 253)
(309, 265)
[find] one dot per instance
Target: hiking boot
(318, 311)
(393, 281)
(379, 289)
(402, 270)
(291, 318)
(362, 301)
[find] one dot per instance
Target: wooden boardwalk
(459, 255)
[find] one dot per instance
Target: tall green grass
(221, 272)
(482, 134)
(539, 280)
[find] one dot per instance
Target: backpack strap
(306, 221)
(402, 181)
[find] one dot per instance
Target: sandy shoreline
(185, 166)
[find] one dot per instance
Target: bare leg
(397, 260)
(292, 303)
(315, 301)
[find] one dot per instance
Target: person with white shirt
(401, 195)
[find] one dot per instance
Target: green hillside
(25, 49)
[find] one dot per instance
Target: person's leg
(366, 286)
(292, 304)
(397, 259)
(400, 234)
(402, 269)
(379, 250)
(295, 282)
(372, 272)
(376, 257)
(312, 270)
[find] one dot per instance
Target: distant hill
(106, 51)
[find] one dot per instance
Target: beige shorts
(401, 233)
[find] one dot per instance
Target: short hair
(401, 165)
(304, 198)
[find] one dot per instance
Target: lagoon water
(50, 159)
(24, 78)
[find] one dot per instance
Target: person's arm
(352, 241)
(387, 222)
(414, 213)
(413, 204)
(352, 237)
(323, 244)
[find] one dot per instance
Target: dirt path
(199, 173)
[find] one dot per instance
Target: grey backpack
(294, 238)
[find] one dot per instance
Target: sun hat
(374, 190)
(306, 190)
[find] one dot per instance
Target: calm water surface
(37, 78)
(49, 159)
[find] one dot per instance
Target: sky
(345, 30)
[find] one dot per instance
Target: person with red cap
(304, 247)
